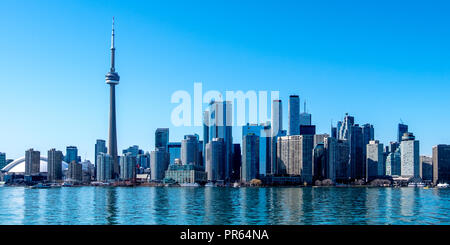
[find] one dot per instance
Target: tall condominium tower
(2, 160)
(174, 149)
(159, 163)
(250, 157)
(127, 166)
(104, 167)
(294, 115)
(161, 138)
(220, 126)
(112, 78)
(441, 164)
(409, 156)
(215, 158)
(100, 147)
(71, 154)
(189, 150)
(54, 165)
(32, 162)
(374, 160)
(276, 131)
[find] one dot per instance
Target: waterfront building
(100, 147)
(71, 154)
(159, 162)
(276, 131)
(294, 155)
(189, 150)
(74, 173)
(374, 160)
(343, 162)
(393, 163)
(127, 166)
(410, 158)
(331, 157)
(104, 167)
(174, 149)
(112, 79)
(250, 157)
(265, 150)
(220, 126)
(426, 168)
(189, 173)
(215, 158)
(54, 165)
(237, 163)
(402, 129)
(294, 115)
(441, 164)
(2, 160)
(319, 162)
(32, 162)
(161, 138)
(205, 134)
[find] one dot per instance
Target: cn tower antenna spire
(113, 49)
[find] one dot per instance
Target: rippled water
(209, 205)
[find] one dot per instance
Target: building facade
(441, 164)
(32, 162)
(410, 158)
(250, 157)
(54, 165)
(294, 115)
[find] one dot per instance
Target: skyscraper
(104, 167)
(294, 115)
(276, 131)
(410, 158)
(294, 155)
(54, 165)
(402, 129)
(75, 171)
(162, 138)
(215, 159)
(220, 126)
(374, 160)
(127, 166)
(189, 150)
(305, 118)
(426, 168)
(100, 147)
(159, 163)
(32, 162)
(250, 157)
(237, 162)
(112, 78)
(441, 164)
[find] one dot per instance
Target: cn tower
(112, 78)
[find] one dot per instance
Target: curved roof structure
(18, 165)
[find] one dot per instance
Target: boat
(209, 184)
(236, 184)
(40, 186)
(67, 184)
(2, 183)
(442, 185)
(189, 184)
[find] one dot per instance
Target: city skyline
(83, 95)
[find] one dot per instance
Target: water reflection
(156, 205)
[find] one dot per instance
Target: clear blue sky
(377, 60)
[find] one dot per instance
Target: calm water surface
(209, 205)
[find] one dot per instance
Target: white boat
(420, 184)
(236, 184)
(209, 184)
(189, 184)
(2, 183)
(442, 185)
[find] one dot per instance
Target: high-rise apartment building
(402, 129)
(104, 167)
(174, 149)
(374, 160)
(410, 158)
(71, 154)
(189, 150)
(426, 168)
(294, 155)
(127, 167)
(54, 165)
(32, 162)
(2, 160)
(100, 147)
(75, 172)
(159, 162)
(215, 159)
(441, 164)
(250, 157)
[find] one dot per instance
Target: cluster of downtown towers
(349, 153)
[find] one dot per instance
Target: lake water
(215, 205)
